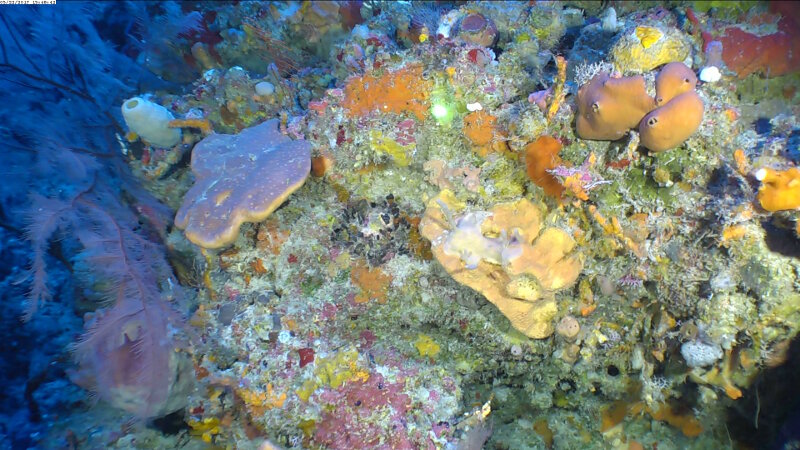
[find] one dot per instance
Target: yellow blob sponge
(780, 190)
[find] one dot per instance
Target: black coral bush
(127, 355)
(62, 131)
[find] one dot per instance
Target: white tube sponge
(150, 121)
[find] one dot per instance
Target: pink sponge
(240, 178)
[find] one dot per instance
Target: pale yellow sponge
(240, 178)
(506, 255)
(644, 48)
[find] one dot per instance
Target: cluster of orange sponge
(541, 156)
(609, 107)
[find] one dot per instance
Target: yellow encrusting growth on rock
(613, 228)
(648, 36)
(645, 48)
(206, 428)
(333, 371)
(201, 124)
(400, 154)
(558, 88)
(426, 346)
(258, 401)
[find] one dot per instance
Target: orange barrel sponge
(668, 126)
(780, 190)
(673, 80)
(609, 107)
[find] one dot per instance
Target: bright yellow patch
(260, 400)
(307, 426)
(205, 428)
(742, 165)
(400, 154)
(426, 347)
(305, 391)
(333, 371)
(780, 189)
(648, 36)
(732, 233)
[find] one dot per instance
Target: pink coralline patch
(480, 57)
(367, 339)
(341, 137)
(351, 411)
(441, 428)
(293, 128)
(230, 292)
(336, 93)
(405, 132)
(540, 98)
(329, 311)
(449, 384)
(318, 106)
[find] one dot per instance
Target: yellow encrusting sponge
(780, 189)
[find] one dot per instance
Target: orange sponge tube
(673, 80)
(670, 125)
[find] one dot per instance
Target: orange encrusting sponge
(402, 91)
(780, 190)
(541, 155)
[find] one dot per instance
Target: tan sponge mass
(506, 255)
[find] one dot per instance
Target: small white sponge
(710, 74)
(150, 121)
(700, 354)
